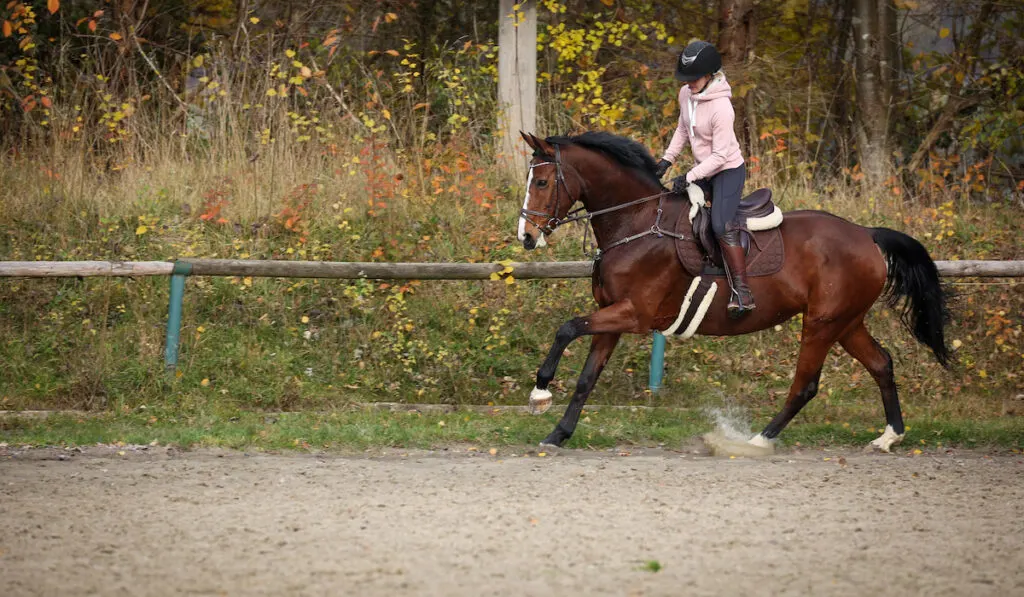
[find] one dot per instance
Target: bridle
(553, 219)
(573, 216)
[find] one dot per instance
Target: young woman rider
(706, 119)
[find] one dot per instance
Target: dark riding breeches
(726, 191)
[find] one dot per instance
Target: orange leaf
(7, 28)
(115, 36)
(391, 52)
(47, 102)
(92, 25)
(53, 6)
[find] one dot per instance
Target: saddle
(758, 220)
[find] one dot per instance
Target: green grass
(359, 429)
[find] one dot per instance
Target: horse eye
(542, 183)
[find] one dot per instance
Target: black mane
(627, 152)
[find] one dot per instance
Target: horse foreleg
(863, 347)
(616, 318)
(601, 347)
(817, 338)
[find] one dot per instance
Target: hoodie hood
(716, 88)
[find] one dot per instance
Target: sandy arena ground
(457, 522)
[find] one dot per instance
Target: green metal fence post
(657, 362)
(181, 269)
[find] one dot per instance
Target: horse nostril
(529, 242)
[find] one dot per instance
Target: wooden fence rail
(384, 271)
(178, 270)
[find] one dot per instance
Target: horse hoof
(540, 401)
(886, 441)
(549, 446)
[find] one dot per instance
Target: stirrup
(737, 307)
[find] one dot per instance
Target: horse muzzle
(533, 241)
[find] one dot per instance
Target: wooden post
(517, 81)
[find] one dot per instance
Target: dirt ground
(157, 521)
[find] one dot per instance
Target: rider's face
(698, 85)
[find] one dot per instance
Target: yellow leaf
(53, 6)
(247, 281)
(387, 114)
(495, 276)
(197, 61)
(305, 319)
(510, 280)
(289, 53)
(493, 451)
(205, 382)
(944, 32)
(390, 17)
(141, 230)
(271, 92)
(115, 36)
(608, 2)
(254, 20)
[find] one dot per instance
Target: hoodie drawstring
(692, 100)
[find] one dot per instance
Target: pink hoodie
(706, 121)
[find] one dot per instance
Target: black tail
(914, 277)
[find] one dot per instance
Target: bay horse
(833, 272)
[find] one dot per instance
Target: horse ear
(530, 140)
(543, 146)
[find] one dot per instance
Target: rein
(575, 215)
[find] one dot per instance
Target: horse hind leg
(877, 360)
(817, 338)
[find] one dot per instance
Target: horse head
(548, 196)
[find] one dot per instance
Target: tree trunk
(736, 32)
(840, 70)
(889, 50)
(872, 108)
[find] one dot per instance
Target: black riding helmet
(696, 60)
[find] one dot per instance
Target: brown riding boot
(741, 301)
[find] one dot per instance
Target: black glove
(662, 168)
(679, 185)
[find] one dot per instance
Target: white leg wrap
(887, 440)
(540, 401)
(760, 441)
